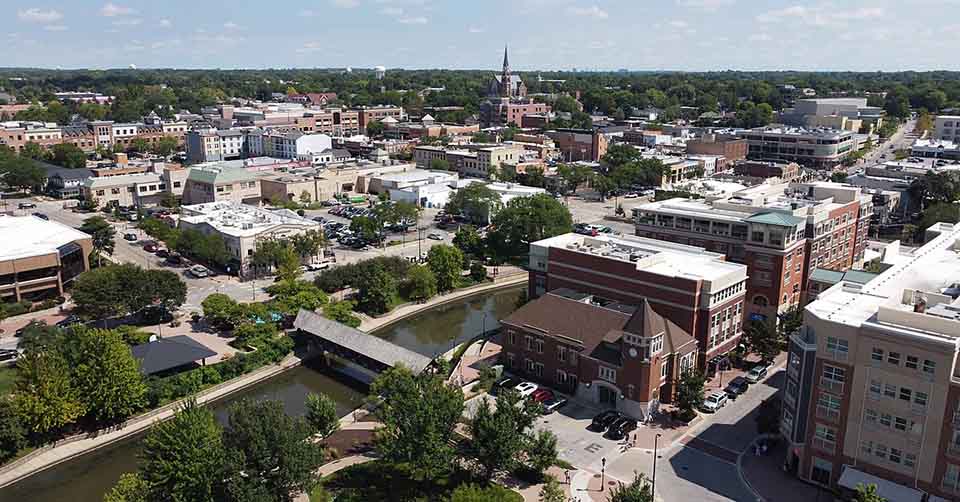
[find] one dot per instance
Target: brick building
(695, 289)
(786, 171)
(781, 232)
(731, 148)
(579, 144)
(614, 355)
(377, 113)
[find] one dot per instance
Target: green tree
(322, 414)
(68, 155)
(690, 392)
(102, 235)
(867, 493)
(366, 228)
(419, 414)
(105, 374)
(288, 265)
(603, 185)
(940, 212)
(420, 283)
(764, 338)
(45, 398)
(552, 491)
(22, 174)
(474, 493)
(183, 458)
(498, 435)
(268, 452)
(838, 177)
(573, 176)
(130, 488)
(221, 310)
(468, 241)
(440, 164)
(165, 146)
(541, 452)
(528, 219)
(446, 263)
(620, 154)
(374, 128)
(342, 312)
(12, 433)
(139, 145)
(291, 296)
(33, 151)
(376, 290)
(475, 201)
(638, 490)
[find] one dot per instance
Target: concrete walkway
(332, 467)
(70, 448)
(369, 324)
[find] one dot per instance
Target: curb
(743, 479)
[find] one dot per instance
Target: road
(902, 139)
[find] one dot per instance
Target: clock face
(633, 352)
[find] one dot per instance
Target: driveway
(576, 444)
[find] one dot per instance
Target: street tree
(291, 296)
(498, 437)
(374, 128)
(165, 146)
(946, 212)
(221, 310)
(376, 290)
(468, 240)
(552, 491)
(68, 155)
(419, 414)
(620, 154)
(183, 458)
(102, 235)
(573, 176)
(475, 201)
(268, 452)
(366, 228)
(105, 374)
(867, 493)
(420, 283)
(541, 449)
(45, 398)
(528, 219)
(690, 392)
(604, 185)
(288, 265)
(764, 338)
(12, 433)
(129, 488)
(446, 263)
(322, 415)
(638, 490)
(32, 150)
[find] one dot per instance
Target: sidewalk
(765, 476)
(67, 449)
(369, 324)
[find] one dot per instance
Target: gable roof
(169, 352)
(573, 320)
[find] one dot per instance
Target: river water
(87, 478)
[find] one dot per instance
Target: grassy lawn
(377, 481)
(7, 377)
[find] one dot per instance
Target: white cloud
(413, 20)
(474, 29)
(345, 4)
(230, 25)
(709, 5)
(165, 23)
(391, 11)
(113, 10)
(55, 27)
(35, 15)
(821, 15)
(134, 21)
(311, 47)
(164, 44)
(760, 37)
(592, 11)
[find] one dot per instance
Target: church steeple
(506, 61)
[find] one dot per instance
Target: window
(875, 389)
(821, 471)
(895, 455)
(608, 374)
(512, 337)
(900, 424)
(561, 353)
(893, 358)
(530, 343)
(929, 366)
(920, 399)
(833, 378)
(529, 365)
(886, 419)
(539, 345)
(838, 347)
(910, 460)
(538, 369)
(912, 362)
(828, 406)
(880, 451)
(877, 354)
(866, 447)
(510, 359)
(870, 416)
(906, 394)
(890, 391)
(561, 377)
(663, 370)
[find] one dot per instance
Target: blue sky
(543, 34)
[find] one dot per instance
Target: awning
(889, 490)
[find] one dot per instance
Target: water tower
(380, 71)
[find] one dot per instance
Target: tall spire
(506, 62)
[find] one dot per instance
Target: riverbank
(371, 324)
(67, 449)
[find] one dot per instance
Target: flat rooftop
(28, 236)
(799, 131)
(930, 274)
(242, 220)
(651, 255)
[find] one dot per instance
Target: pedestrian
(567, 475)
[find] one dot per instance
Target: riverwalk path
(69, 448)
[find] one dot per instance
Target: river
(87, 478)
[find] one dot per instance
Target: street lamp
(653, 480)
(603, 473)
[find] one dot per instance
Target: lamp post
(603, 473)
(653, 477)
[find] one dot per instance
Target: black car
(27, 205)
(68, 321)
(504, 383)
(41, 216)
(621, 428)
(737, 386)
(130, 237)
(604, 419)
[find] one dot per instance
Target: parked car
(314, 267)
(631, 195)
(150, 247)
(737, 386)
(41, 216)
(130, 237)
(714, 401)
(621, 428)
(553, 404)
(542, 395)
(603, 420)
(162, 253)
(503, 383)
(68, 321)
(526, 388)
(437, 236)
(27, 205)
(757, 373)
(319, 219)
(198, 271)
(174, 259)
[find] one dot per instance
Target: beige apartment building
(872, 393)
(474, 162)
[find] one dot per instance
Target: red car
(150, 247)
(542, 395)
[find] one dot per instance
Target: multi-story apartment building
(695, 289)
(947, 128)
(781, 232)
(39, 257)
(211, 145)
(872, 393)
(16, 134)
(474, 161)
(624, 357)
(820, 148)
(377, 113)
